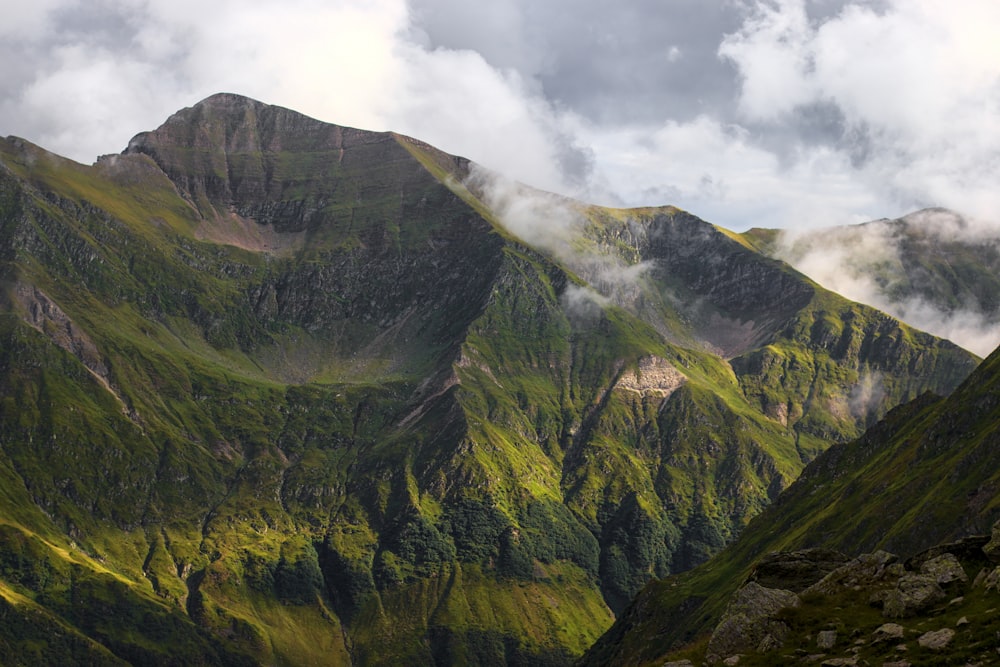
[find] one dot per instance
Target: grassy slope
(925, 475)
(957, 274)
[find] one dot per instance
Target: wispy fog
(559, 226)
(866, 263)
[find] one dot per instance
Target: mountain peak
(233, 155)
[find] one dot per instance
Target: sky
(775, 113)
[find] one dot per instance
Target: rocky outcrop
(870, 571)
(763, 620)
(749, 624)
(45, 315)
(797, 570)
(652, 377)
(992, 548)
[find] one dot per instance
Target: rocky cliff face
(277, 391)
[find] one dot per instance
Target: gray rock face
(748, 624)
(913, 593)
(797, 570)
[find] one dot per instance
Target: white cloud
(773, 55)
(458, 102)
(919, 82)
(716, 171)
(22, 19)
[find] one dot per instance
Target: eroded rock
(867, 570)
(992, 548)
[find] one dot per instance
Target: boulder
(748, 624)
(825, 639)
(946, 571)
(992, 580)
(796, 570)
(936, 639)
(913, 594)
(888, 632)
(865, 571)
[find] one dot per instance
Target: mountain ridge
(389, 420)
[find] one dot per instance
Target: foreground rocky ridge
(278, 391)
(871, 610)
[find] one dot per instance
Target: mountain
(932, 268)
(279, 391)
(926, 475)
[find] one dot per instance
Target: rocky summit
(276, 391)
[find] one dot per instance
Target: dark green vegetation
(927, 474)
(276, 391)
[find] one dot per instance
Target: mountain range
(276, 391)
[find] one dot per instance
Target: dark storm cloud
(639, 61)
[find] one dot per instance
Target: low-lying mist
(933, 269)
(559, 226)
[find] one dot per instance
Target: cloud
(865, 397)
(719, 172)
(638, 61)
(559, 226)
(917, 84)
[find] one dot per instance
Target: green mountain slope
(926, 475)
(276, 391)
(932, 268)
